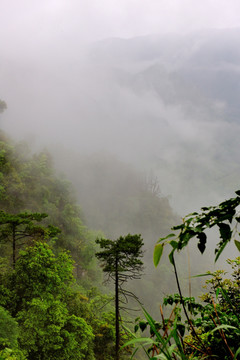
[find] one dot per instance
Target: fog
(154, 83)
(133, 88)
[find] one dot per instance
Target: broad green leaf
(236, 354)
(153, 327)
(200, 275)
(181, 329)
(218, 253)
(225, 231)
(170, 351)
(193, 214)
(223, 327)
(185, 236)
(143, 325)
(237, 243)
(146, 341)
(157, 254)
(178, 227)
(134, 336)
(202, 241)
(176, 337)
(174, 244)
(136, 327)
(166, 237)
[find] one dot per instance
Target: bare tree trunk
(14, 245)
(117, 310)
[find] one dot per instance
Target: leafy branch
(225, 216)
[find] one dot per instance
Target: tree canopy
(38, 293)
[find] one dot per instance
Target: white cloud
(35, 23)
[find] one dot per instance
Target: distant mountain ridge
(167, 104)
(188, 87)
(173, 50)
(205, 62)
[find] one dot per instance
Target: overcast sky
(31, 27)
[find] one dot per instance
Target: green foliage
(39, 273)
(40, 287)
(8, 330)
(29, 185)
(20, 227)
(10, 354)
(98, 311)
(160, 343)
(216, 323)
(195, 225)
(40, 293)
(214, 326)
(48, 331)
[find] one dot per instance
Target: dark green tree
(121, 261)
(17, 228)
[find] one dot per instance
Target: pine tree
(121, 261)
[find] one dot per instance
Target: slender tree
(121, 261)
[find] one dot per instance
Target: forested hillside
(45, 312)
(29, 184)
(52, 301)
(119, 134)
(118, 199)
(40, 220)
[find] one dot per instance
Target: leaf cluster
(195, 225)
(216, 323)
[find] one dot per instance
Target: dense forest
(54, 303)
(50, 301)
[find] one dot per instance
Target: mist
(153, 85)
(165, 104)
(124, 97)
